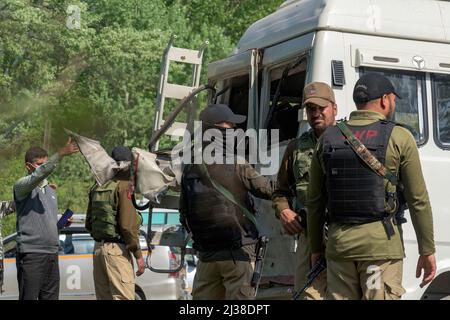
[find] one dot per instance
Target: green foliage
(8, 224)
(99, 80)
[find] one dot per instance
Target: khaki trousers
(223, 280)
(365, 280)
(113, 272)
(318, 288)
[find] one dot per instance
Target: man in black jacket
(222, 230)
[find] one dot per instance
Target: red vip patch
(365, 134)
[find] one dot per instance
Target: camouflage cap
(318, 93)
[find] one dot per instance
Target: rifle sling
(229, 196)
(361, 150)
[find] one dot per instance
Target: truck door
(237, 78)
(281, 111)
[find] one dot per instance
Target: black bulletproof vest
(356, 194)
(215, 222)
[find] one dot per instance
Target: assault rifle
(261, 247)
(316, 270)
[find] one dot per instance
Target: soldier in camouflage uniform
(293, 180)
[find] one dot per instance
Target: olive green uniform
(357, 248)
(292, 181)
(113, 266)
(226, 274)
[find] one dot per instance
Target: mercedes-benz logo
(418, 62)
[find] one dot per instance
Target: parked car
(169, 217)
(189, 274)
(75, 264)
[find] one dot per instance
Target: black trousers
(38, 276)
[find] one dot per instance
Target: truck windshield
(284, 113)
(410, 110)
(441, 101)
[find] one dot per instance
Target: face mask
(226, 144)
(232, 143)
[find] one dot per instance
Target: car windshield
(76, 244)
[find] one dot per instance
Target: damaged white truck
(333, 41)
(336, 41)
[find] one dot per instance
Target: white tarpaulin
(103, 167)
(152, 176)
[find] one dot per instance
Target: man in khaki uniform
(223, 234)
(364, 249)
(293, 179)
(114, 224)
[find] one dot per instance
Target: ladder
(177, 237)
(168, 90)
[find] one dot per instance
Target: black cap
(121, 153)
(372, 86)
(216, 113)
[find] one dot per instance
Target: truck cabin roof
(425, 20)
